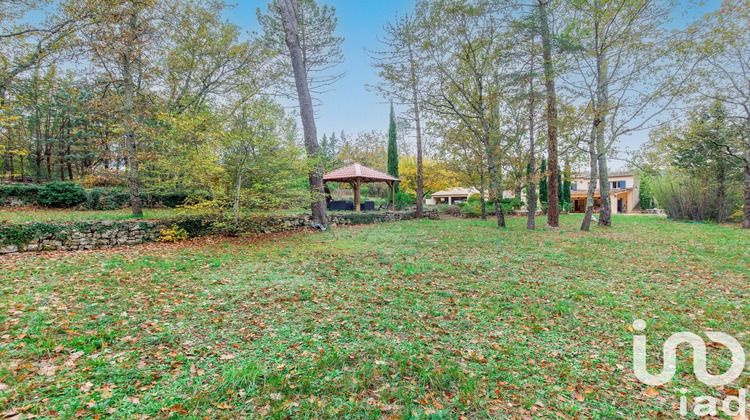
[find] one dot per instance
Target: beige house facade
(623, 192)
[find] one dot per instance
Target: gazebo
(357, 174)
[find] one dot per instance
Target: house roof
(357, 171)
(456, 192)
(611, 175)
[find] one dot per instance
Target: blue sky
(350, 107)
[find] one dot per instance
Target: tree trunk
(531, 199)
(494, 184)
(69, 161)
(131, 142)
(602, 106)
(586, 224)
(288, 9)
(238, 190)
(38, 157)
(722, 210)
(48, 155)
(481, 196)
(417, 121)
(605, 214)
(746, 210)
(553, 206)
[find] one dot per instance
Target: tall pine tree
(392, 147)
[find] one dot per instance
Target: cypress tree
(566, 187)
(392, 147)
(543, 183)
(528, 177)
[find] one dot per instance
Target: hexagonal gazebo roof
(357, 174)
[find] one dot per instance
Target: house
(452, 196)
(459, 195)
(623, 192)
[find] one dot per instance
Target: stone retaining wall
(38, 236)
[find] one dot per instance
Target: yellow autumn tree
(437, 175)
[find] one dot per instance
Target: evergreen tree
(325, 157)
(560, 200)
(392, 147)
(528, 176)
(566, 199)
(333, 147)
(543, 183)
(646, 193)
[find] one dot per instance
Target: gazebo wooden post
(357, 185)
(393, 195)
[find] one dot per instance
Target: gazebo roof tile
(358, 171)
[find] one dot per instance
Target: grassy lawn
(16, 215)
(421, 319)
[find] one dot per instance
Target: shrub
(689, 197)
(175, 199)
(173, 234)
(93, 199)
(27, 194)
(474, 198)
(473, 207)
(510, 204)
(403, 200)
(197, 225)
(452, 211)
(737, 216)
(61, 194)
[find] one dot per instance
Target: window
(618, 184)
(574, 186)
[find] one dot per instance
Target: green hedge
(26, 193)
(473, 207)
(110, 199)
(61, 195)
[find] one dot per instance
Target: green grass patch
(418, 319)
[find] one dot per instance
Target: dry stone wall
(74, 236)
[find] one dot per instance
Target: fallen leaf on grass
(47, 369)
(651, 392)
(86, 387)
(177, 409)
(12, 414)
(72, 358)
